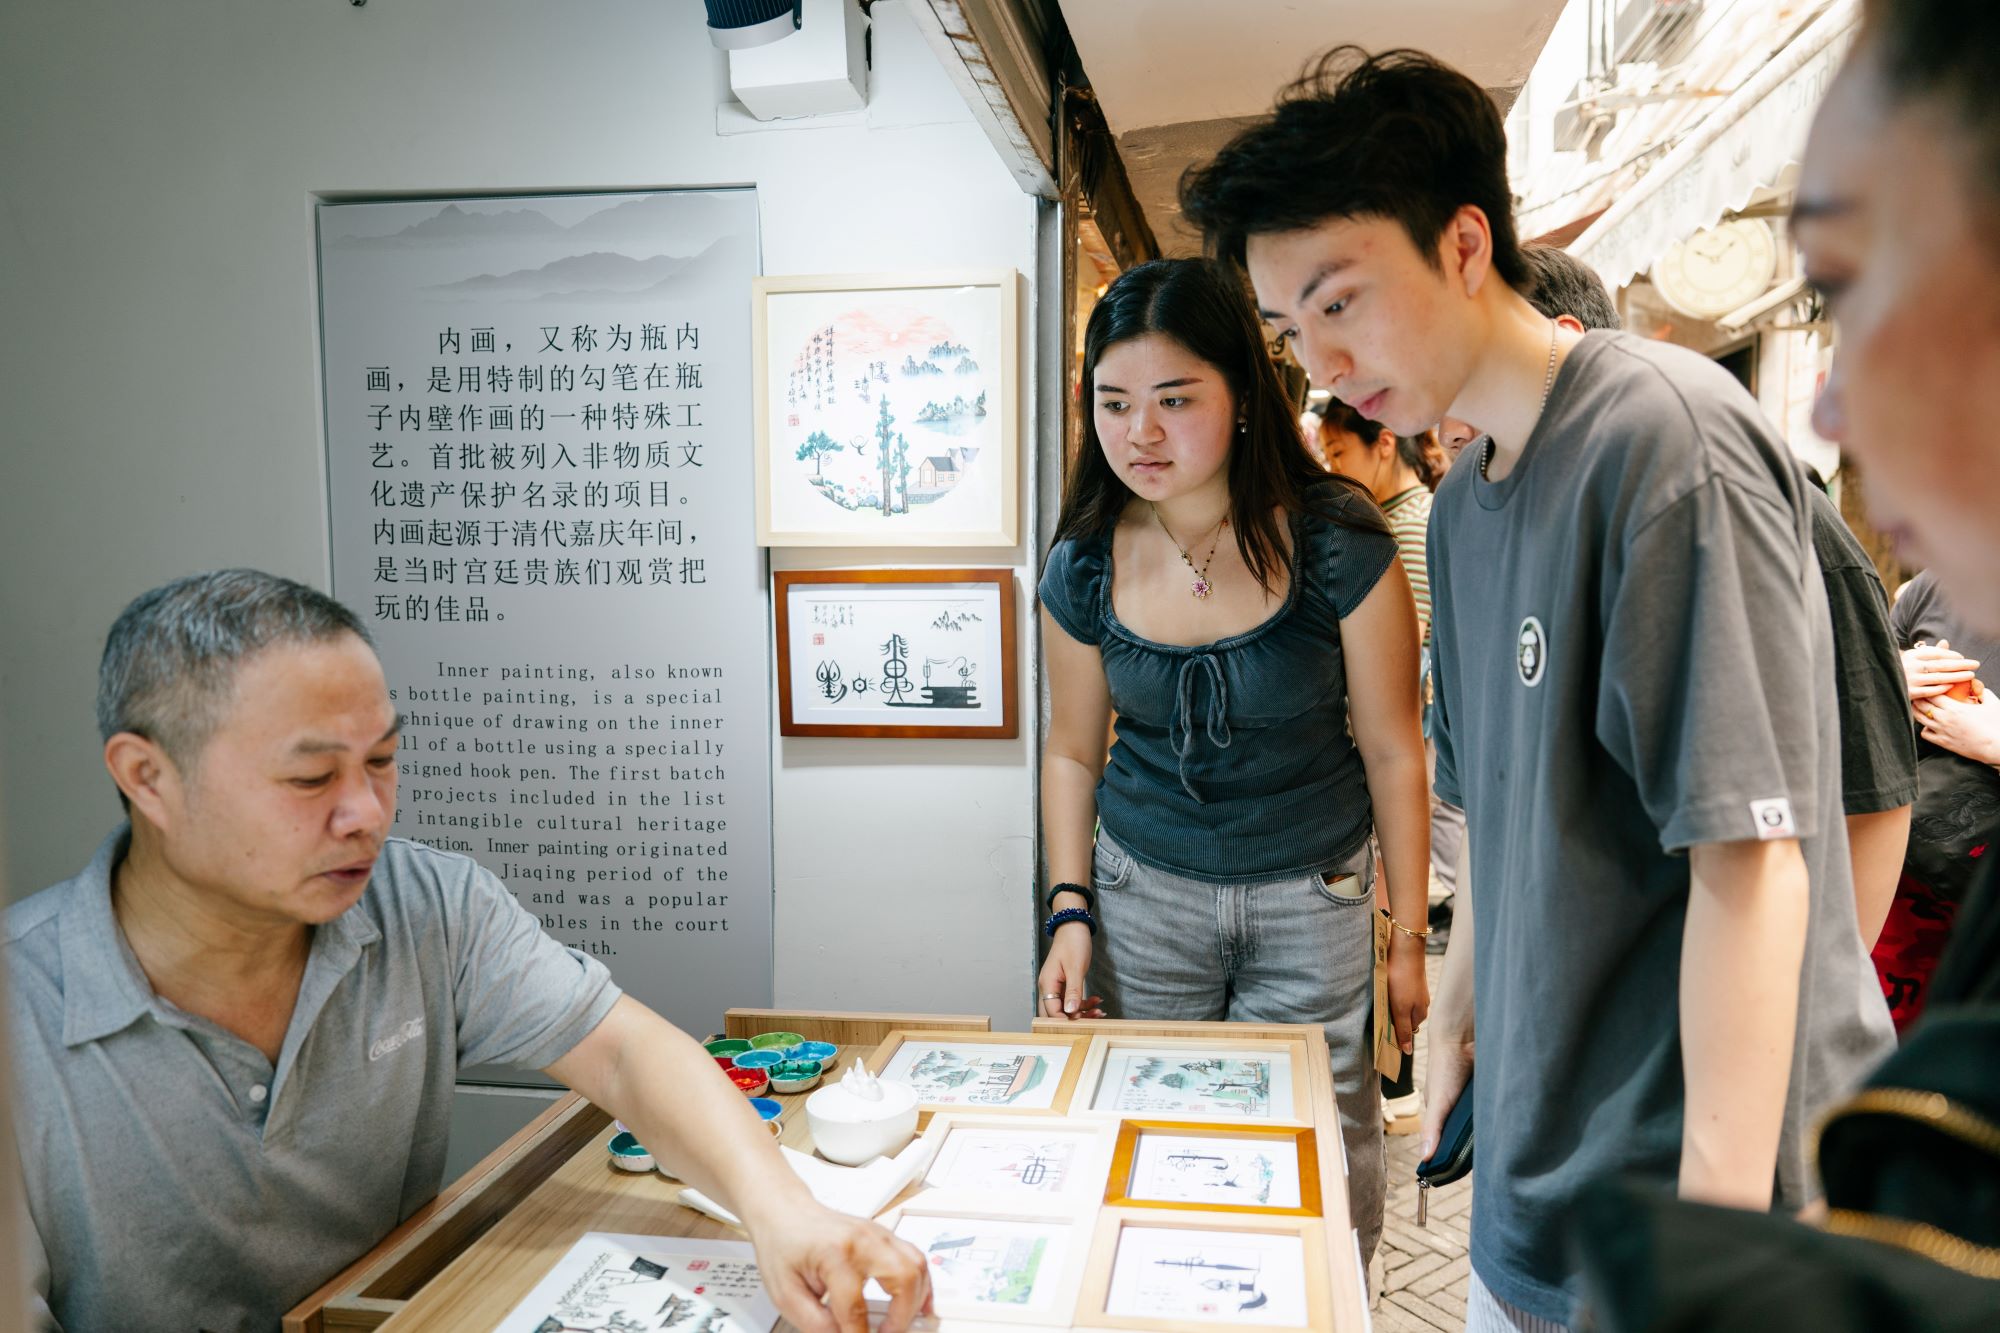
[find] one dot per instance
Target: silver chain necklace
(1548, 383)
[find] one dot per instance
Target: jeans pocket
(1110, 867)
(1344, 889)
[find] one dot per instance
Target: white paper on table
(650, 1282)
(858, 1191)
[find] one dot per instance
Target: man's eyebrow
(311, 746)
(1319, 275)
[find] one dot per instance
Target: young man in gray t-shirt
(1634, 683)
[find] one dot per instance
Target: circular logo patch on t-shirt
(1531, 652)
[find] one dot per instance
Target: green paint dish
(777, 1039)
(727, 1046)
(627, 1154)
(795, 1075)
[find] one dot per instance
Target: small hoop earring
(1242, 427)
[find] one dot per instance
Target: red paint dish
(750, 1081)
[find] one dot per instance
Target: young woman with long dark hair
(1244, 616)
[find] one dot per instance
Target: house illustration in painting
(937, 473)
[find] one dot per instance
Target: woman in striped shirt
(1401, 472)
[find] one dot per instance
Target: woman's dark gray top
(1233, 760)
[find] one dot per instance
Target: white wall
(159, 367)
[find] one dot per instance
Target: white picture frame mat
(959, 1135)
(1040, 1097)
(1289, 1101)
(1154, 1177)
(1059, 1274)
(1144, 1277)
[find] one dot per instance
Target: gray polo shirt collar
(104, 990)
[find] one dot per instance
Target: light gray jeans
(1287, 951)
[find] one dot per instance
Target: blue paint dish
(760, 1059)
(822, 1051)
(767, 1107)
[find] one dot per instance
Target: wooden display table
(469, 1257)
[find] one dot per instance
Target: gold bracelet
(1413, 934)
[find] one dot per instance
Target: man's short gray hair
(170, 661)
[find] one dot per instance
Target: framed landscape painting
(886, 409)
(995, 1073)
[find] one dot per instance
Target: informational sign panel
(538, 422)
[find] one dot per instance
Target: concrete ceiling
(1177, 78)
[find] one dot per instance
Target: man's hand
(1061, 986)
(1409, 989)
(1931, 669)
(814, 1263)
(1968, 729)
(1446, 1072)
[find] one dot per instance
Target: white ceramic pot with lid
(861, 1118)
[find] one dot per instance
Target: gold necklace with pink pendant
(1201, 587)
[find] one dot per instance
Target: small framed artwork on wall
(886, 409)
(897, 652)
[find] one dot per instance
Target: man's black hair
(1400, 135)
(1943, 52)
(1565, 285)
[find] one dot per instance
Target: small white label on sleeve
(1773, 818)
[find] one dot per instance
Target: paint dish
(779, 1040)
(750, 1082)
(759, 1059)
(728, 1062)
(822, 1051)
(767, 1107)
(795, 1076)
(627, 1154)
(727, 1046)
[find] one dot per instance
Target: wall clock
(1713, 272)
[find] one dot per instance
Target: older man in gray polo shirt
(236, 1031)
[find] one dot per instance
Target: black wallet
(1453, 1158)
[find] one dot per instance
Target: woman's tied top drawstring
(1181, 732)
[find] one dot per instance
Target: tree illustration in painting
(817, 446)
(902, 466)
(885, 450)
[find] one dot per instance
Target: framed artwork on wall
(886, 409)
(897, 652)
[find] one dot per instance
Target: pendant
(1201, 587)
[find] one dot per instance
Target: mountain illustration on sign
(878, 444)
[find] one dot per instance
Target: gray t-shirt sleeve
(1706, 689)
(522, 998)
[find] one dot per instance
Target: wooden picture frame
(1100, 1306)
(1132, 1168)
(1285, 1097)
(946, 1232)
(990, 1159)
(901, 652)
(1048, 1095)
(856, 448)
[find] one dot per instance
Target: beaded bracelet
(1089, 898)
(1064, 917)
